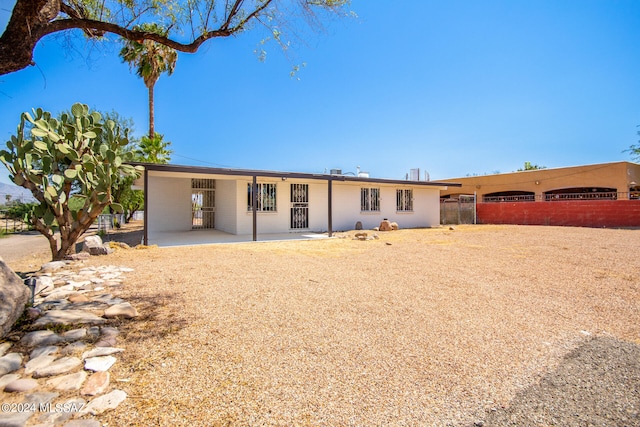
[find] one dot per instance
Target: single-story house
(251, 202)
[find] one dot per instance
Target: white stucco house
(253, 202)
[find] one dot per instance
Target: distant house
(249, 203)
(599, 195)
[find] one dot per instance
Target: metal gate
(299, 206)
(203, 203)
(460, 210)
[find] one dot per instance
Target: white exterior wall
(346, 207)
(168, 204)
(226, 206)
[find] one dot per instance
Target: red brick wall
(580, 213)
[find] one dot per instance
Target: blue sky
(451, 87)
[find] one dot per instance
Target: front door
(299, 206)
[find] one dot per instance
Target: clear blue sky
(451, 87)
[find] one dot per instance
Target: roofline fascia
(281, 175)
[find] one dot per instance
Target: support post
(330, 206)
(254, 203)
(145, 236)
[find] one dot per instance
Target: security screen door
(299, 206)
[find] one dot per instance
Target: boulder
(14, 296)
(385, 225)
(394, 225)
(358, 225)
(94, 245)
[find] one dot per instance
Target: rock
(68, 317)
(394, 226)
(376, 228)
(452, 228)
(360, 236)
(4, 347)
(74, 347)
(83, 423)
(80, 256)
(101, 351)
(10, 362)
(40, 398)
(32, 313)
(53, 266)
(358, 225)
(105, 402)
(385, 225)
(14, 296)
(40, 351)
(68, 382)
(38, 363)
(40, 338)
(124, 310)
(74, 334)
(15, 419)
(21, 385)
(74, 298)
(60, 366)
(94, 245)
(6, 379)
(100, 363)
(96, 384)
(44, 284)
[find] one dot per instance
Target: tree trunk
(151, 115)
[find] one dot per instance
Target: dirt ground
(476, 326)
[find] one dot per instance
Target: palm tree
(150, 59)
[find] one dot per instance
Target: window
(404, 200)
(370, 199)
(266, 197)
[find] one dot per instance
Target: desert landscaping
(461, 326)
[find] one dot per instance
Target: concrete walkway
(205, 237)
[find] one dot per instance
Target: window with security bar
(266, 197)
(203, 203)
(404, 200)
(370, 199)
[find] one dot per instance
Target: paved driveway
(17, 246)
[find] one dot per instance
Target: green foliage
(529, 167)
(153, 150)
(21, 211)
(634, 151)
(79, 152)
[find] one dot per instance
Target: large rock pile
(62, 378)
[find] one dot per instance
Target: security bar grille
(203, 202)
(299, 206)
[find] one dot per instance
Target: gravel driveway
(481, 325)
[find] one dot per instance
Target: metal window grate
(370, 199)
(299, 206)
(404, 200)
(266, 197)
(203, 203)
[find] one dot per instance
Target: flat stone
(100, 363)
(10, 362)
(20, 386)
(124, 310)
(83, 423)
(41, 397)
(4, 347)
(40, 351)
(74, 347)
(96, 384)
(63, 412)
(44, 285)
(104, 298)
(60, 366)
(59, 295)
(80, 256)
(15, 419)
(93, 333)
(53, 266)
(68, 382)
(78, 298)
(105, 402)
(74, 334)
(101, 351)
(6, 379)
(69, 317)
(40, 338)
(39, 362)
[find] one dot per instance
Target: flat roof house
(252, 203)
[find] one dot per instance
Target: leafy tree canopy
(189, 23)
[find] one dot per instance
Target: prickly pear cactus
(71, 157)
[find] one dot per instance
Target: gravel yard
(481, 325)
